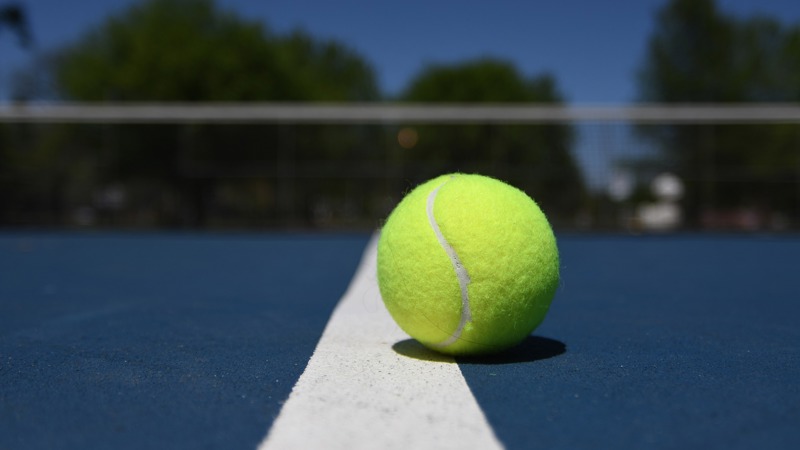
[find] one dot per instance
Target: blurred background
(633, 170)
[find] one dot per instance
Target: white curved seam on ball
(461, 271)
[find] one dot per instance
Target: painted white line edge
(357, 392)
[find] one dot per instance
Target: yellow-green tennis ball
(467, 264)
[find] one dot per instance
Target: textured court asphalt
(116, 340)
(159, 341)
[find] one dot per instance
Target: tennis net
(332, 166)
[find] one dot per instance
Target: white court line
(357, 392)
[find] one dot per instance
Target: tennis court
(228, 224)
(169, 313)
(193, 340)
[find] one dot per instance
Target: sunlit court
(283, 226)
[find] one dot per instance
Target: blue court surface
(115, 340)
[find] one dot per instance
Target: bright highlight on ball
(467, 264)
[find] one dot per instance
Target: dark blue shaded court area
(194, 341)
(675, 342)
(159, 341)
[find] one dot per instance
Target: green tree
(191, 50)
(698, 53)
(536, 158)
(690, 55)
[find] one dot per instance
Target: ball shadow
(413, 349)
(533, 348)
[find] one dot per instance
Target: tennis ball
(467, 264)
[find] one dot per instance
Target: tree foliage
(480, 81)
(699, 54)
(189, 50)
(535, 158)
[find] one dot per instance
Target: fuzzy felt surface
(505, 244)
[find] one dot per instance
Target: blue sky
(593, 47)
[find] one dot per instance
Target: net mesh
(645, 168)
